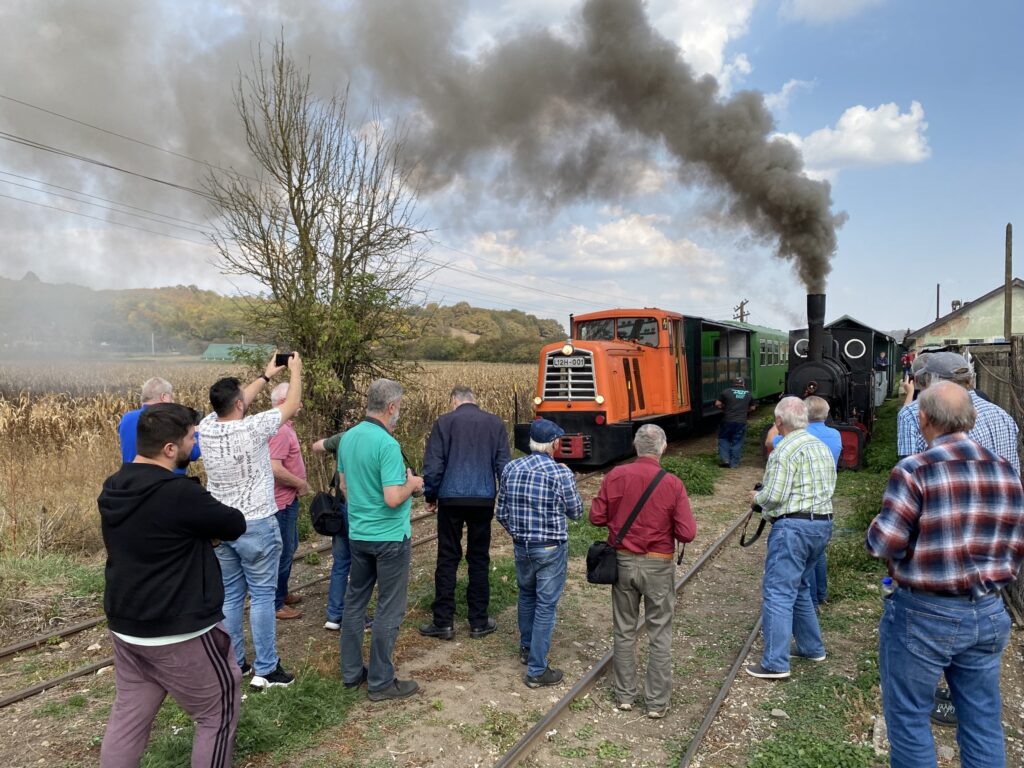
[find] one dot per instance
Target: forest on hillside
(40, 319)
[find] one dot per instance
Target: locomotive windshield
(642, 330)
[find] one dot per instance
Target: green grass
(582, 534)
(698, 473)
(504, 590)
(54, 570)
(61, 710)
(276, 721)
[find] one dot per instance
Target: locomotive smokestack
(815, 326)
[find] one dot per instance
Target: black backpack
(329, 512)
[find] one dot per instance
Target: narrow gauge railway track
(81, 626)
(545, 727)
(45, 685)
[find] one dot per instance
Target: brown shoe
(292, 599)
(287, 612)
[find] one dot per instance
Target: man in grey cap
(736, 404)
(993, 428)
(535, 496)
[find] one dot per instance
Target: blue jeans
(386, 564)
(919, 637)
(339, 576)
(787, 610)
(818, 579)
(250, 564)
(730, 442)
(288, 522)
(540, 574)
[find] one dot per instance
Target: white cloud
(824, 11)
(866, 137)
(778, 102)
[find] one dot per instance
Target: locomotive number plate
(568, 362)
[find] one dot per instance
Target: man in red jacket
(645, 565)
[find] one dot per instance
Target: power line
(98, 197)
(110, 132)
(64, 153)
(107, 208)
(106, 221)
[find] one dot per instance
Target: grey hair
(279, 393)
(536, 447)
(948, 407)
(792, 411)
(154, 388)
(463, 394)
(650, 440)
(382, 393)
(817, 408)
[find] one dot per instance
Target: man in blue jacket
(466, 453)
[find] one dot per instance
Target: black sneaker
(399, 689)
(489, 626)
(524, 655)
(756, 670)
(549, 676)
(246, 669)
(360, 681)
(277, 678)
(943, 713)
(441, 633)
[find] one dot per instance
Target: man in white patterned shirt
(239, 474)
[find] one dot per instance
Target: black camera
(281, 358)
(757, 507)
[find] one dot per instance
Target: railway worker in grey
(796, 498)
(535, 496)
(645, 565)
(164, 596)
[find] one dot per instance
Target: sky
(562, 176)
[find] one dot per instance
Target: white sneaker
(334, 626)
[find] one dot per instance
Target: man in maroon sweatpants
(164, 596)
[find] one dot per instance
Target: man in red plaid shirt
(951, 529)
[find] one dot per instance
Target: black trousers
(450, 520)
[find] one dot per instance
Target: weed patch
(698, 473)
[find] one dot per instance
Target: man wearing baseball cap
(736, 403)
(535, 496)
(993, 428)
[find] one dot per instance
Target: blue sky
(912, 110)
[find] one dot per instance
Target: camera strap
(744, 542)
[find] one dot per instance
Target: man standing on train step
(646, 570)
(736, 403)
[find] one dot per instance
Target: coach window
(642, 330)
(596, 330)
(762, 352)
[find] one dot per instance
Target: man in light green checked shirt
(796, 498)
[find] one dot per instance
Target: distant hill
(46, 319)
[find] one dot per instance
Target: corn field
(58, 433)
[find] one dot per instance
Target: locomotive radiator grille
(569, 377)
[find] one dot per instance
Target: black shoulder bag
(602, 564)
(328, 511)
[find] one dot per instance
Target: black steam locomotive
(843, 363)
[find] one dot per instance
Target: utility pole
(741, 311)
(1008, 287)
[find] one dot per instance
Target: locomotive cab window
(642, 330)
(596, 330)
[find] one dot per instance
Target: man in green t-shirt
(379, 488)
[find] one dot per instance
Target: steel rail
(25, 693)
(709, 717)
(522, 747)
(74, 629)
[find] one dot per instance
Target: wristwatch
(265, 377)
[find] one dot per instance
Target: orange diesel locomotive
(623, 368)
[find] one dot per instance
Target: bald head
(278, 394)
(945, 408)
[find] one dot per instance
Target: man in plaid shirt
(951, 529)
(994, 428)
(535, 496)
(796, 498)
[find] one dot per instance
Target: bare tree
(328, 225)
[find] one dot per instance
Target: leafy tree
(329, 227)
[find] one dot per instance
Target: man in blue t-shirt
(155, 390)
(817, 412)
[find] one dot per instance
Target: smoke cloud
(541, 116)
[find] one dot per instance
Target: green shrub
(698, 473)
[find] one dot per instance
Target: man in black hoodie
(164, 596)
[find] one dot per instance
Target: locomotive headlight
(599, 399)
(538, 400)
(567, 349)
